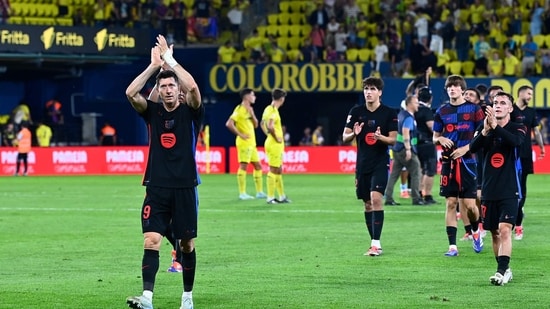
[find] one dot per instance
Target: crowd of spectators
(481, 38)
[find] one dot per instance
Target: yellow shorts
(247, 153)
(274, 152)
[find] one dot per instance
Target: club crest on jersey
(371, 123)
(169, 124)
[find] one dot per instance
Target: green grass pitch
(75, 242)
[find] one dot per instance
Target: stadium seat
(372, 41)
(262, 31)
(283, 18)
(468, 68)
(284, 30)
(283, 42)
(272, 30)
(296, 7)
(352, 54)
(284, 7)
(294, 55)
(365, 54)
(305, 30)
(519, 38)
(539, 39)
(297, 19)
(272, 19)
(295, 31)
(294, 42)
(455, 67)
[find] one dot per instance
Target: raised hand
(155, 56)
(357, 128)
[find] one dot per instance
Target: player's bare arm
(538, 138)
(271, 131)
(139, 103)
(230, 124)
(349, 134)
(187, 82)
(441, 140)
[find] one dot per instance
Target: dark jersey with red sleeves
(458, 123)
(500, 160)
(528, 117)
(372, 153)
(172, 145)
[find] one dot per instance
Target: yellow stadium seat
(365, 54)
(284, 30)
(454, 67)
(284, 7)
(372, 41)
(283, 42)
(272, 30)
(295, 30)
(294, 42)
(272, 19)
(539, 40)
(519, 38)
(296, 7)
(283, 18)
(297, 19)
(305, 30)
(262, 30)
(294, 55)
(468, 68)
(352, 54)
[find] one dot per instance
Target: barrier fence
(132, 160)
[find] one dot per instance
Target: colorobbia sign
(132, 160)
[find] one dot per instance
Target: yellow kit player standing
(242, 123)
(274, 147)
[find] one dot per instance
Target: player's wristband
(169, 59)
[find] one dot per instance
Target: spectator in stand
(332, 28)
(317, 37)
(319, 17)
(226, 52)
(5, 11)
(511, 64)
(511, 45)
(55, 120)
(477, 9)
(407, 34)
(331, 54)
(99, 10)
(78, 18)
(380, 54)
(516, 17)
(481, 48)
(529, 50)
(317, 138)
(398, 60)
(362, 31)
(286, 137)
(108, 135)
(416, 57)
(495, 65)
(421, 24)
(276, 53)
(462, 42)
(179, 21)
(235, 16)
(308, 52)
(340, 41)
(351, 10)
(255, 44)
(8, 135)
(429, 59)
(306, 140)
(43, 135)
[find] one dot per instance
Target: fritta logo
(105, 39)
(47, 37)
(50, 37)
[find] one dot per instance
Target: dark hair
(373, 81)
(494, 87)
(524, 87)
(424, 94)
(278, 93)
(167, 74)
(245, 91)
(506, 94)
(476, 92)
(482, 88)
(455, 80)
